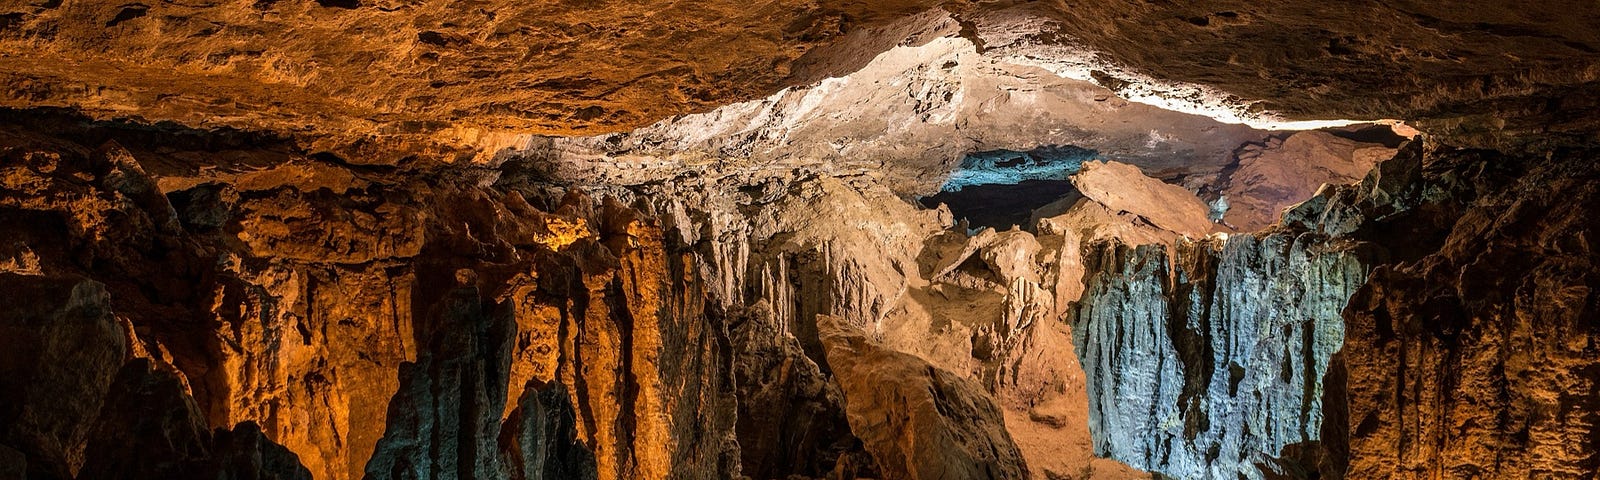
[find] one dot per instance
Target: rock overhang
(453, 80)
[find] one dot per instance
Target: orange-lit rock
(918, 421)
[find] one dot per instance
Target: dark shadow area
(1000, 205)
(1002, 188)
(1369, 133)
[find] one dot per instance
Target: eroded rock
(918, 421)
(62, 349)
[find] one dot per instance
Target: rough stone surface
(294, 307)
(906, 118)
(540, 438)
(1280, 173)
(1210, 361)
(1476, 359)
(329, 238)
(463, 72)
(62, 349)
(1122, 188)
(151, 428)
(918, 421)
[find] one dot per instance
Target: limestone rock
(445, 420)
(539, 439)
(1123, 188)
(1228, 339)
(150, 428)
(1474, 359)
(791, 418)
(62, 348)
(1271, 177)
(917, 421)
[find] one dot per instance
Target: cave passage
(1002, 188)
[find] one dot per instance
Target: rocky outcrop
(1123, 188)
(62, 348)
(1210, 361)
(150, 428)
(791, 417)
(1436, 372)
(292, 307)
(907, 118)
(1209, 358)
(918, 421)
(380, 307)
(83, 409)
(410, 75)
(444, 422)
(540, 438)
(1279, 173)
(1476, 359)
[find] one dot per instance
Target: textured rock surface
(1228, 340)
(1210, 361)
(906, 118)
(62, 349)
(294, 307)
(1483, 69)
(918, 421)
(1122, 188)
(457, 72)
(1476, 360)
(323, 262)
(791, 418)
(1279, 173)
(540, 438)
(150, 428)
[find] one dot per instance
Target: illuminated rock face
(403, 76)
(299, 310)
(369, 261)
(1475, 359)
(1209, 362)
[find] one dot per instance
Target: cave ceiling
(367, 75)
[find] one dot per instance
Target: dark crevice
(1001, 206)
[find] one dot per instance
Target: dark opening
(1000, 205)
(1370, 133)
(1002, 188)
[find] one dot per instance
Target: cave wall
(351, 326)
(1477, 359)
(331, 259)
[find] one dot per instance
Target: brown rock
(1271, 178)
(1124, 188)
(539, 439)
(1477, 360)
(151, 428)
(918, 421)
(61, 349)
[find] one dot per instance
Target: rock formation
(1473, 359)
(918, 421)
(344, 239)
(1272, 176)
(1210, 361)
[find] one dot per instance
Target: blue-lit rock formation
(1206, 362)
(1012, 167)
